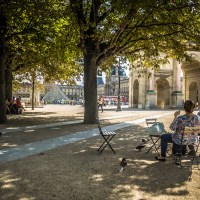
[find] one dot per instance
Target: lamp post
(119, 93)
(119, 72)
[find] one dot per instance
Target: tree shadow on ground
(76, 171)
(143, 174)
(37, 119)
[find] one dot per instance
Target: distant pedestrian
(100, 103)
(109, 102)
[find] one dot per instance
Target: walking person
(100, 103)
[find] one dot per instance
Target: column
(150, 94)
(177, 95)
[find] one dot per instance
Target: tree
(107, 29)
(33, 75)
(21, 22)
(94, 33)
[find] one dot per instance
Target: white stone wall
(162, 90)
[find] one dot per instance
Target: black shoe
(160, 159)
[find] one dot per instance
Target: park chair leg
(154, 145)
(105, 143)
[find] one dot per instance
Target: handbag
(157, 129)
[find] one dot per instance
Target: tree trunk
(90, 89)
(3, 118)
(8, 83)
(33, 93)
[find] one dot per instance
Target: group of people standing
(14, 106)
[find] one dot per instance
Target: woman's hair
(189, 106)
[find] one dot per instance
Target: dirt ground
(77, 172)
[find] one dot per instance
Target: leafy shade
(143, 31)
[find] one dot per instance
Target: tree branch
(77, 8)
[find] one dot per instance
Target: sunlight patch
(29, 131)
(9, 145)
(31, 126)
(145, 161)
(12, 128)
(12, 180)
(8, 186)
(97, 177)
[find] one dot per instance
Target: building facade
(73, 92)
(163, 89)
(168, 87)
(191, 78)
(24, 93)
(115, 82)
(100, 86)
(56, 93)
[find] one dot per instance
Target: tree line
(65, 39)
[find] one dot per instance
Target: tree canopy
(62, 34)
(140, 30)
(34, 33)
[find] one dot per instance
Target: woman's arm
(173, 125)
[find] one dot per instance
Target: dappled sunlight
(30, 126)
(76, 170)
(27, 131)
(126, 191)
(93, 146)
(126, 138)
(56, 128)
(147, 162)
(82, 151)
(8, 145)
(12, 128)
(9, 186)
(97, 178)
(11, 180)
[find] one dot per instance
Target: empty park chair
(107, 136)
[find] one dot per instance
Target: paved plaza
(24, 150)
(50, 154)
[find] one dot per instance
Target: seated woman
(177, 125)
(20, 108)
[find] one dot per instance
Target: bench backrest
(190, 135)
(151, 121)
(99, 126)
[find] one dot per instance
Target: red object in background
(18, 102)
(114, 98)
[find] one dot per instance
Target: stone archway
(163, 93)
(191, 78)
(193, 92)
(135, 93)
